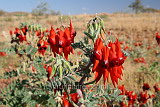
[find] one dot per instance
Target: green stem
(84, 76)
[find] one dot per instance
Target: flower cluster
(131, 96)
(20, 33)
(134, 99)
(158, 38)
(156, 88)
(42, 46)
(108, 60)
(143, 97)
(146, 87)
(60, 41)
(139, 60)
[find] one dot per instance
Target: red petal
(98, 73)
(105, 75)
(51, 38)
(98, 49)
(95, 64)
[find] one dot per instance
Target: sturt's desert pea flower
(20, 34)
(146, 86)
(60, 41)
(108, 60)
(42, 46)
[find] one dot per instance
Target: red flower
(158, 38)
(33, 69)
(108, 60)
(143, 98)
(24, 30)
(122, 88)
(74, 97)
(116, 59)
(109, 32)
(100, 66)
(156, 88)
(60, 41)
(126, 48)
(98, 49)
(67, 51)
(146, 87)
(51, 38)
(139, 60)
(152, 96)
(131, 98)
(3, 54)
(122, 104)
(38, 33)
(21, 36)
(72, 31)
(49, 71)
(42, 46)
(10, 32)
(66, 103)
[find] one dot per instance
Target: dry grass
(127, 27)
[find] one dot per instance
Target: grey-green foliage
(26, 92)
(9, 50)
(103, 96)
(95, 27)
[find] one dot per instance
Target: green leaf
(116, 92)
(49, 61)
(107, 97)
(59, 83)
(96, 33)
(33, 51)
(54, 67)
(66, 64)
(9, 50)
(64, 82)
(29, 47)
(153, 66)
(60, 69)
(71, 77)
(120, 97)
(89, 35)
(68, 81)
